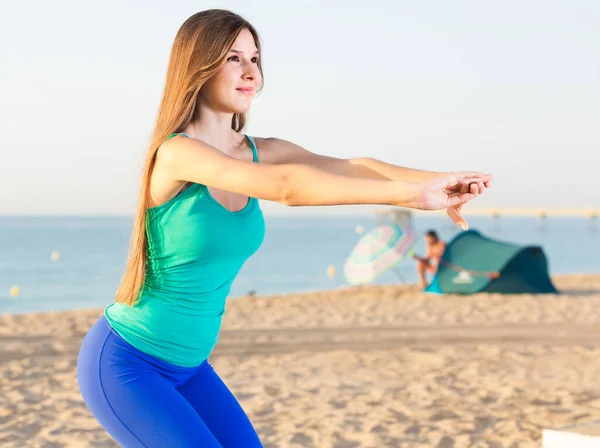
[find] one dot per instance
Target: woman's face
(233, 87)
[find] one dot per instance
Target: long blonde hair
(200, 48)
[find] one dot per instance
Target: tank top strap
(254, 150)
(252, 143)
(176, 133)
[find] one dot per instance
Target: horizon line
(494, 212)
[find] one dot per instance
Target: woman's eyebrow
(240, 51)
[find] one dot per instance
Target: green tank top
(196, 247)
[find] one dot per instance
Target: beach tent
(474, 263)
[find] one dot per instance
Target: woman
(430, 262)
(142, 368)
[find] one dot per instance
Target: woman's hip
(104, 352)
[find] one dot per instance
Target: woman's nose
(252, 73)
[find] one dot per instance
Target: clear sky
(511, 88)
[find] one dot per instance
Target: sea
(56, 263)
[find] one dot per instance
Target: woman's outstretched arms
(278, 151)
(299, 184)
(191, 160)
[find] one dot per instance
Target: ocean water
(294, 257)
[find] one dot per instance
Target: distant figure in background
(143, 368)
(429, 263)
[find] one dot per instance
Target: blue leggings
(142, 401)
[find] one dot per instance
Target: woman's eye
(236, 59)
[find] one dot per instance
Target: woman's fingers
(474, 175)
(462, 187)
(468, 185)
(469, 180)
(455, 213)
(459, 199)
(476, 188)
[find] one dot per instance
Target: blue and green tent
(474, 263)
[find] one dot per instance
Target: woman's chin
(235, 108)
(241, 110)
(241, 106)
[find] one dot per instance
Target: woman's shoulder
(273, 150)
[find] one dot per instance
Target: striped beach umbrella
(377, 251)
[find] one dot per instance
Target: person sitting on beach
(143, 367)
(430, 262)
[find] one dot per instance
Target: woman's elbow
(288, 193)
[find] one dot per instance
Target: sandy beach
(376, 366)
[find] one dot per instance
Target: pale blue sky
(509, 87)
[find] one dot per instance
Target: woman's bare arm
(278, 151)
(191, 160)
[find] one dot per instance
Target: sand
(377, 366)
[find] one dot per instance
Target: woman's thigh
(133, 403)
(219, 409)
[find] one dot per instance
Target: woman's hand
(451, 191)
